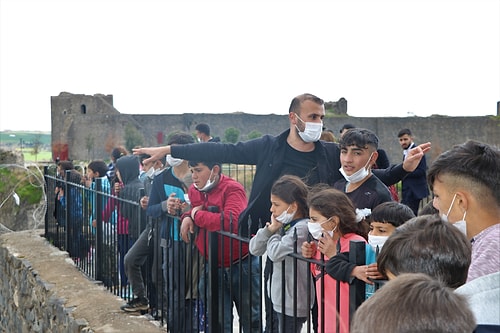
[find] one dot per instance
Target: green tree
(89, 144)
(254, 135)
(37, 145)
(133, 137)
(231, 135)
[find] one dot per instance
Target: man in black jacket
(296, 151)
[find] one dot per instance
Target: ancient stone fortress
(87, 127)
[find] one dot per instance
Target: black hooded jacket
(128, 166)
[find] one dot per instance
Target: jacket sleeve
(233, 202)
(340, 268)
(247, 152)
(156, 196)
(391, 175)
(258, 243)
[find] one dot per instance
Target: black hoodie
(128, 166)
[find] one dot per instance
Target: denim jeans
(246, 298)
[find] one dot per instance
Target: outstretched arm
(155, 152)
(415, 155)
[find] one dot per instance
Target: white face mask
(377, 242)
(358, 175)
(150, 173)
(198, 139)
(461, 224)
(316, 229)
(285, 217)
(312, 131)
(172, 161)
(208, 185)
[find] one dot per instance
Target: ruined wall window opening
(83, 109)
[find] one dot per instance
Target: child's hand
(274, 225)
(373, 273)
(361, 273)
(327, 245)
(308, 249)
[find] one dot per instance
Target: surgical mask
(198, 139)
(150, 173)
(285, 217)
(358, 175)
(209, 184)
(376, 242)
(312, 131)
(316, 229)
(461, 224)
(174, 161)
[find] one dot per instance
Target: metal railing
(172, 277)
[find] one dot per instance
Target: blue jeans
(246, 298)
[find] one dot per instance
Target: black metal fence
(188, 290)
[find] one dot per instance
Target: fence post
(357, 256)
(99, 207)
(213, 285)
(69, 222)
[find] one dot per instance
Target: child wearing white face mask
(288, 220)
(333, 224)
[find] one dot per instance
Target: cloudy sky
(387, 58)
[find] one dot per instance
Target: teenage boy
(214, 196)
(358, 153)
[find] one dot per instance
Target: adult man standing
(203, 133)
(296, 151)
(415, 184)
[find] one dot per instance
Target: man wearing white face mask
(296, 151)
(358, 152)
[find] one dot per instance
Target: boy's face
(200, 174)
(353, 158)
(91, 174)
(381, 229)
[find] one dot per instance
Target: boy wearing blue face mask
(288, 225)
(358, 153)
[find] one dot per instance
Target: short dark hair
(473, 164)
(403, 132)
(347, 126)
(297, 102)
(98, 166)
(414, 303)
(359, 137)
(210, 165)
(427, 244)
(118, 152)
(203, 128)
(180, 138)
(392, 212)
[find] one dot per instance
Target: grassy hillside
(26, 141)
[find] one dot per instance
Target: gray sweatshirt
(278, 248)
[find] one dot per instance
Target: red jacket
(230, 199)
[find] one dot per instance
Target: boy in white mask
(358, 153)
